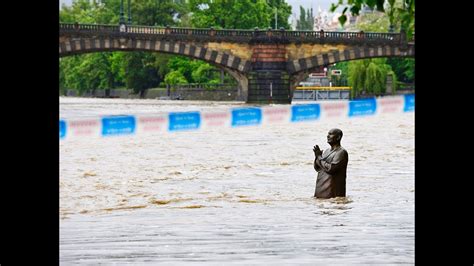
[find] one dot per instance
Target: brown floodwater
(234, 195)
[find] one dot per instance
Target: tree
(86, 72)
(205, 73)
(283, 11)
(404, 14)
(369, 76)
(175, 77)
(139, 72)
(62, 80)
(85, 11)
(404, 68)
(306, 21)
(238, 14)
(157, 13)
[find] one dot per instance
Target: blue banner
(409, 103)
(118, 125)
(62, 129)
(184, 121)
(246, 116)
(362, 107)
(305, 112)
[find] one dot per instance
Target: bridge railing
(87, 27)
(225, 86)
(241, 35)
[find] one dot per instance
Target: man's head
(334, 136)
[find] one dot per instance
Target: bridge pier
(269, 86)
(268, 81)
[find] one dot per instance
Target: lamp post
(391, 28)
(129, 14)
(121, 19)
(276, 18)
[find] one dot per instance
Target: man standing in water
(331, 166)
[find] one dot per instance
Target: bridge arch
(232, 64)
(352, 53)
(300, 68)
(71, 46)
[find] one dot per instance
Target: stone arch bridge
(268, 64)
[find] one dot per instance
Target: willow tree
(369, 76)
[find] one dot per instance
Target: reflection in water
(234, 195)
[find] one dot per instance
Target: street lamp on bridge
(129, 14)
(121, 19)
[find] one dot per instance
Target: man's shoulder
(343, 151)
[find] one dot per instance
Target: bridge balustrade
(241, 35)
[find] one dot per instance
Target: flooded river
(234, 195)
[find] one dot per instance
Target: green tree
(404, 68)
(375, 78)
(86, 72)
(157, 13)
(205, 73)
(369, 76)
(403, 14)
(62, 80)
(140, 74)
(306, 21)
(283, 11)
(175, 77)
(117, 67)
(409, 72)
(373, 22)
(231, 14)
(356, 76)
(85, 11)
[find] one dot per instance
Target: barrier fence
(117, 125)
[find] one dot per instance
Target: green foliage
(117, 67)
(306, 21)
(409, 72)
(400, 12)
(194, 71)
(205, 73)
(404, 68)
(283, 10)
(184, 65)
(85, 11)
(369, 76)
(375, 78)
(356, 76)
(175, 77)
(238, 14)
(86, 72)
(373, 22)
(157, 13)
(139, 72)
(62, 80)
